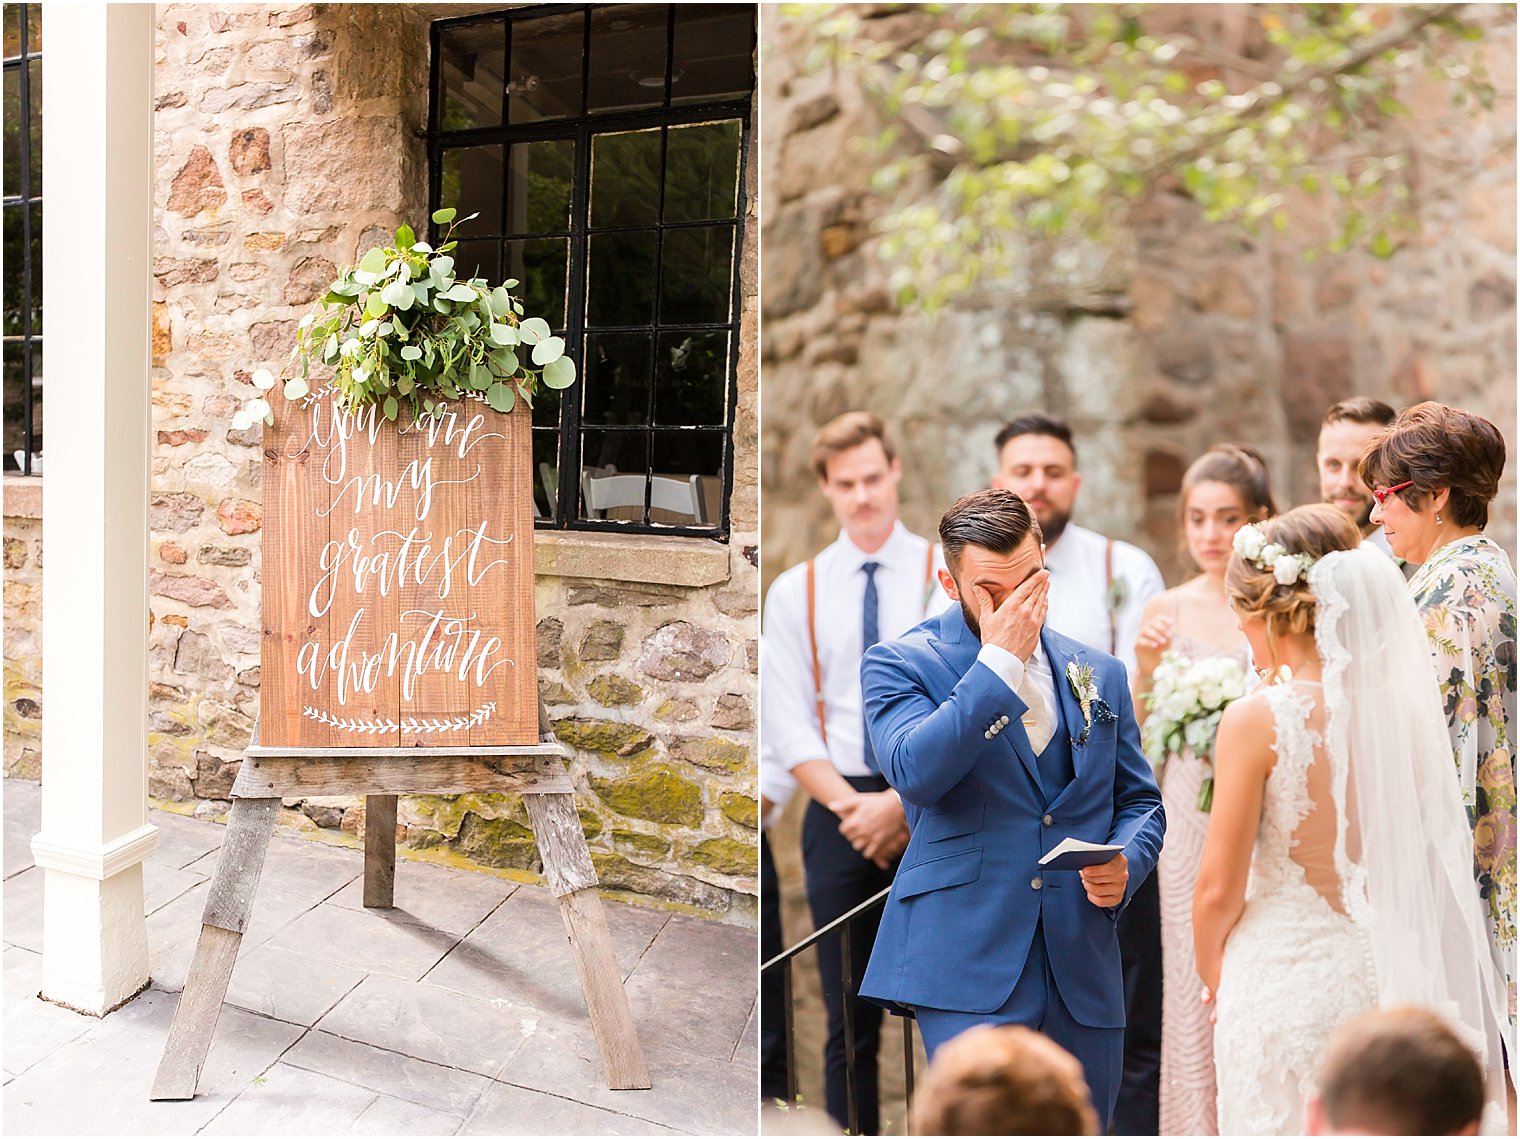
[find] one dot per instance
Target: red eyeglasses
(1382, 493)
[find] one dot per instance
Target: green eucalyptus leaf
(500, 397)
(391, 407)
(505, 359)
(533, 330)
(501, 301)
(411, 352)
(445, 215)
(440, 267)
(375, 305)
(373, 261)
(548, 350)
(559, 373)
(503, 334)
(461, 292)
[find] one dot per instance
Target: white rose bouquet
(1185, 702)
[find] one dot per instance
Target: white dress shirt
(788, 708)
(1010, 669)
(1079, 591)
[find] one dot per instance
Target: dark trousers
(1036, 1003)
(1138, 1111)
(838, 880)
(772, 988)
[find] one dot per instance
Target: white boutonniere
(1084, 686)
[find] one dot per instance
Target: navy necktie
(870, 634)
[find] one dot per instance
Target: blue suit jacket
(965, 904)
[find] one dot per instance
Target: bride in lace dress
(1336, 874)
(1226, 487)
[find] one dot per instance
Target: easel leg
(567, 866)
(380, 851)
(228, 907)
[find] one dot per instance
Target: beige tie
(1036, 719)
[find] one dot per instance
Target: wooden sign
(397, 579)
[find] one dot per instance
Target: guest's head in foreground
(1038, 461)
(1268, 578)
(859, 472)
(1343, 435)
(1398, 1071)
(992, 543)
(1003, 1080)
(1433, 474)
(1226, 487)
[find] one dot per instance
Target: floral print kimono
(1466, 597)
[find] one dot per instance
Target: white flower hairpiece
(1252, 545)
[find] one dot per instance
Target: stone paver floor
(456, 1013)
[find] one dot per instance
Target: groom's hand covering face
(1003, 597)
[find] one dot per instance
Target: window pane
(538, 195)
(12, 130)
(627, 57)
(471, 182)
(471, 61)
(625, 178)
(696, 275)
(546, 407)
(476, 259)
(702, 172)
(677, 456)
(542, 268)
(620, 278)
(35, 121)
(714, 52)
(16, 311)
(546, 68)
(545, 470)
(616, 388)
(12, 30)
(606, 453)
(15, 405)
(33, 28)
(691, 378)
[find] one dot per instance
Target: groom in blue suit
(1003, 738)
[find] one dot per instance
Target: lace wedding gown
(1188, 1094)
(1295, 967)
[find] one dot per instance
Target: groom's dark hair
(995, 520)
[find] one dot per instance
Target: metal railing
(783, 961)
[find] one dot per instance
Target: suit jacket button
(1036, 883)
(987, 735)
(1047, 820)
(1004, 721)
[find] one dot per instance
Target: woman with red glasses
(1434, 472)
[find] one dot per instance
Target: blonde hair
(1315, 530)
(1003, 1080)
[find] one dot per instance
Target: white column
(97, 245)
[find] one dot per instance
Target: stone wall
(288, 141)
(1210, 336)
(23, 628)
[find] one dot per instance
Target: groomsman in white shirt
(1098, 590)
(874, 582)
(1343, 435)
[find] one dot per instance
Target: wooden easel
(536, 771)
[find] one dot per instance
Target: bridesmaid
(1434, 472)
(1222, 491)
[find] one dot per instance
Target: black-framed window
(23, 238)
(604, 147)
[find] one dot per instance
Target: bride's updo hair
(1316, 530)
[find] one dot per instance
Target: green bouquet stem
(1206, 795)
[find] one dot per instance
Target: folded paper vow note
(1073, 854)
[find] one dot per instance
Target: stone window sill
(23, 496)
(630, 557)
(650, 558)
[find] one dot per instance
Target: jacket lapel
(1071, 707)
(958, 647)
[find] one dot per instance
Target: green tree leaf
(390, 407)
(548, 350)
(373, 261)
(500, 397)
(559, 373)
(445, 215)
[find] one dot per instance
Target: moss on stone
(606, 738)
(648, 845)
(591, 822)
(711, 752)
(743, 809)
(497, 842)
(656, 793)
(613, 691)
(726, 856)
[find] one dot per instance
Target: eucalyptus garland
(401, 328)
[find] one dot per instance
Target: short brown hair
(1003, 1080)
(846, 432)
(1436, 446)
(1400, 1071)
(1359, 409)
(995, 520)
(1316, 530)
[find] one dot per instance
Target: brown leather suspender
(1108, 593)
